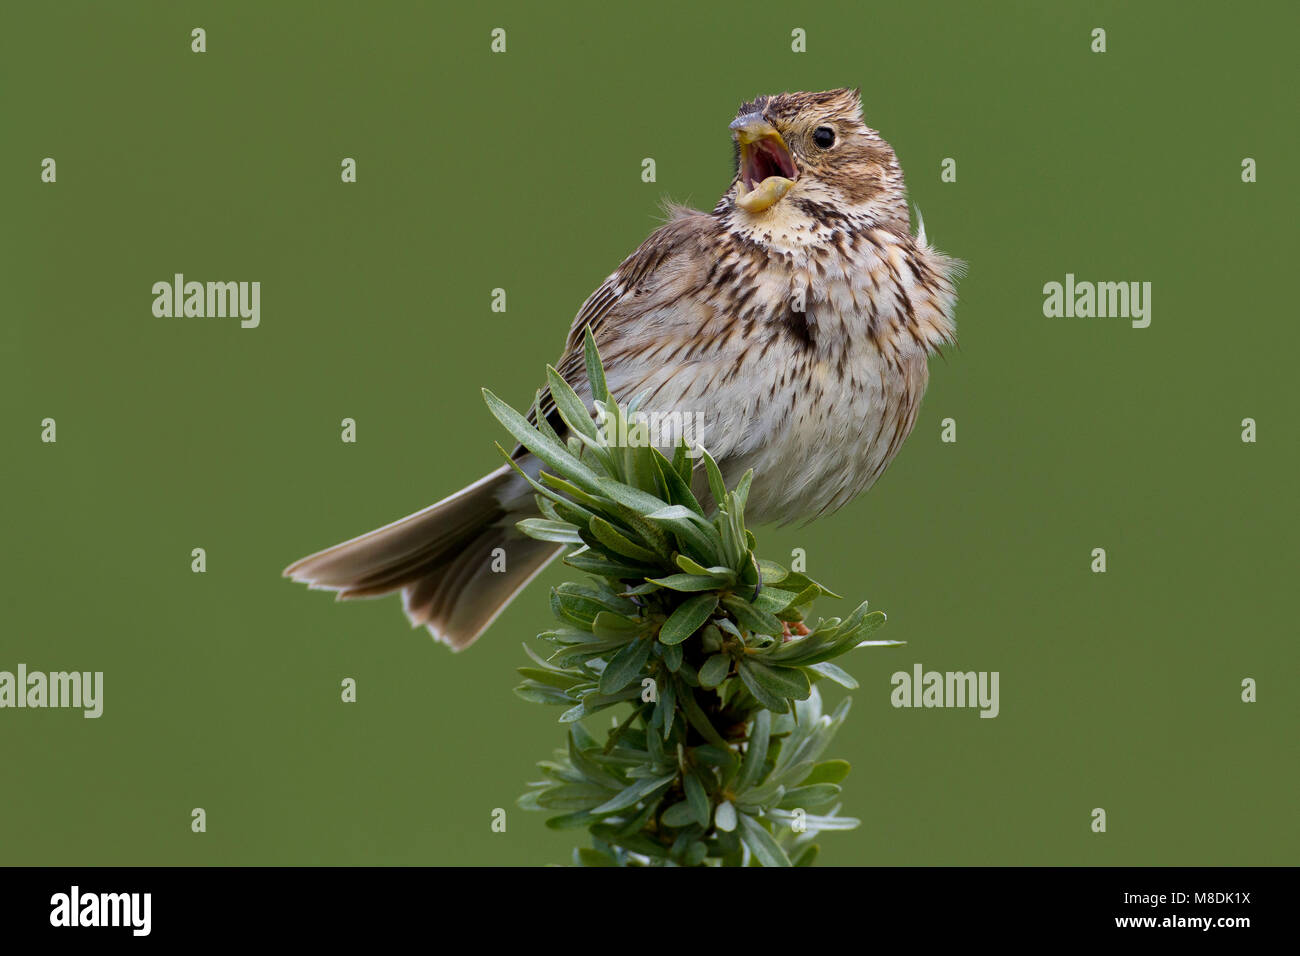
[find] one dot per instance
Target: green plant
(719, 760)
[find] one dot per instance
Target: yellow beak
(764, 157)
(752, 127)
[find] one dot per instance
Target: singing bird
(794, 321)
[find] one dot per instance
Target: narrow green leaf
(588, 767)
(814, 822)
(687, 618)
(635, 793)
(751, 768)
(570, 821)
(595, 369)
(550, 677)
(550, 452)
(573, 713)
(788, 682)
(715, 670)
(697, 798)
(774, 600)
(543, 664)
(679, 815)
(539, 419)
(561, 504)
(568, 491)
(797, 581)
(608, 568)
(697, 719)
(538, 694)
(640, 590)
(682, 463)
(573, 796)
(694, 567)
(750, 617)
(693, 530)
(711, 639)
(570, 406)
(596, 702)
(616, 541)
(761, 799)
(810, 797)
(772, 701)
(740, 494)
(625, 667)
(642, 472)
(806, 596)
(634, 842)
(835, 673)
(677, 486)
(717, 487)
(671, 511)
(577, 609)
(602, 594)
(541, 529)
(615, 627)
(689, 582)
(714, 756)
(761, 843)
(567, 511)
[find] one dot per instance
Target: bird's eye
(824, 137)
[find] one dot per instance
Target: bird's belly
(817, 411)
(819, 439)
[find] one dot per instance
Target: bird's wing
(659, 274)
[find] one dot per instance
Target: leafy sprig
(719, 759)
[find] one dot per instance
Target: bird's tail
(444, 559)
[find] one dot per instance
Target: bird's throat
(764, 195)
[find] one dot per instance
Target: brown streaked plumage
(794, 321)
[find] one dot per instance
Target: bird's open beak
(767, 170)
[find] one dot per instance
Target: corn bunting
(793, 323)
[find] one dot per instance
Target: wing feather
(637, 286)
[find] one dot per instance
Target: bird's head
(798, 154)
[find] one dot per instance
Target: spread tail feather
(443, 559)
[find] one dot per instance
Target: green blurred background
(522, 171)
